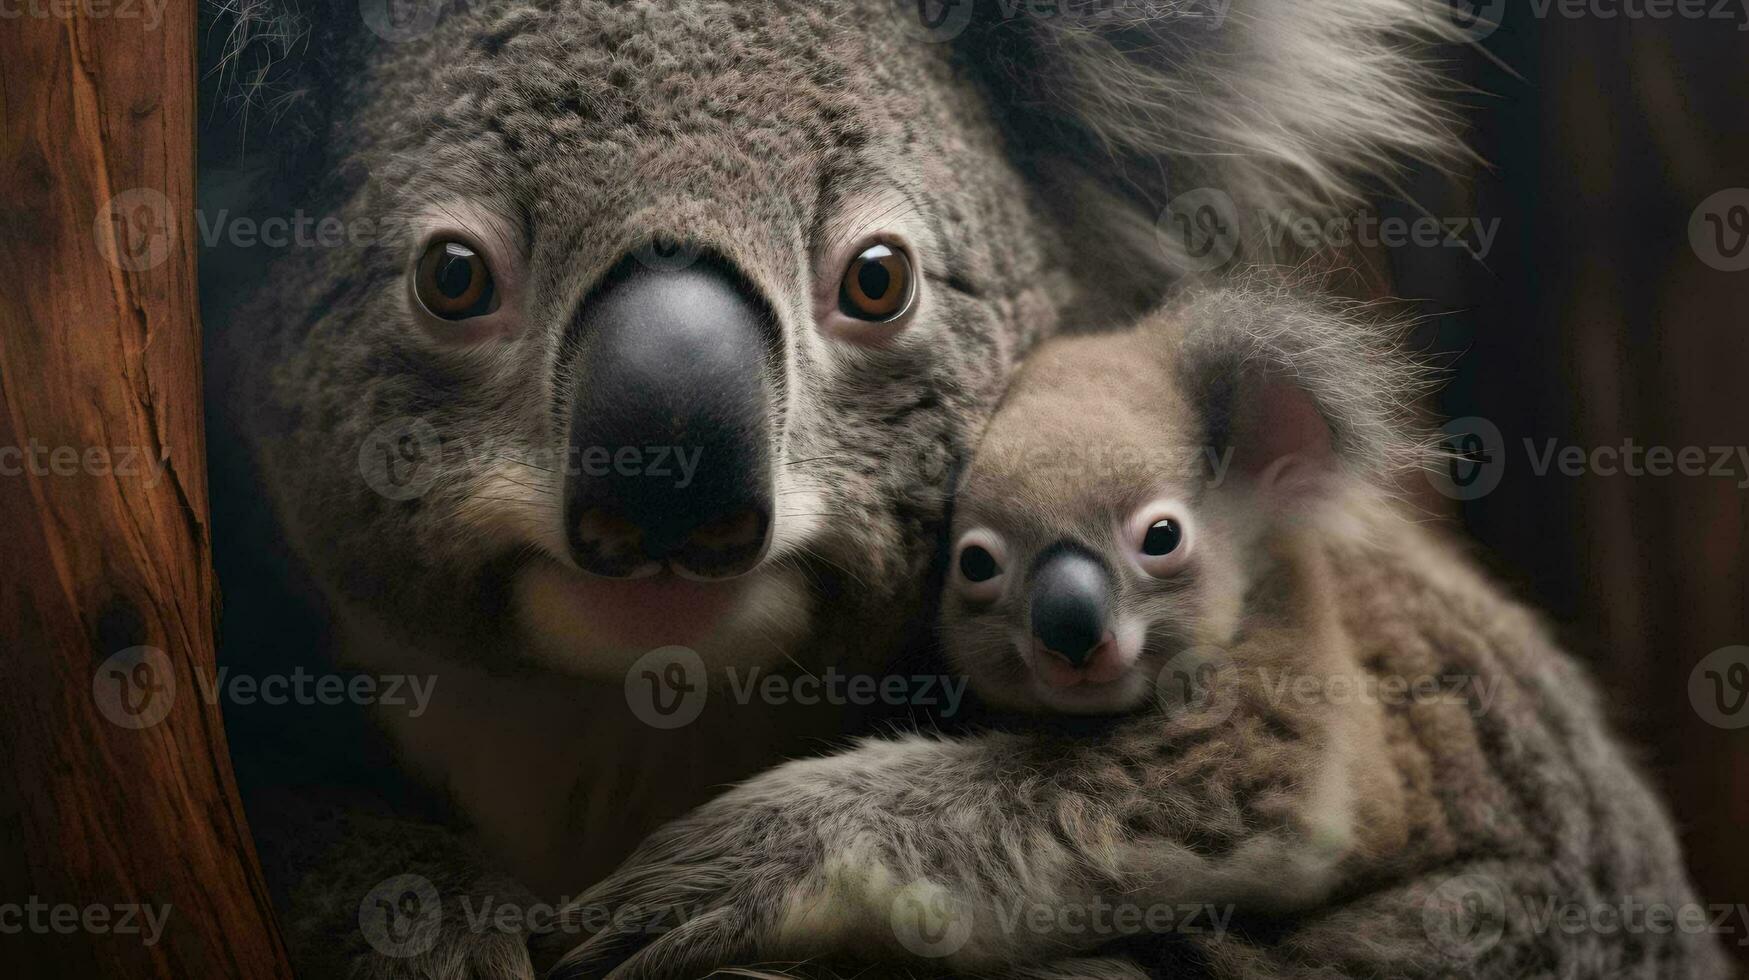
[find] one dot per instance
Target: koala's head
(679, 314)
(1134, 487)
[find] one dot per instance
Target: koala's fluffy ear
(1301, 389)
(1281, 105)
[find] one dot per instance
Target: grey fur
(1027, 158)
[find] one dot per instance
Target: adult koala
(669, 322)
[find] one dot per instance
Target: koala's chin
(597, 628)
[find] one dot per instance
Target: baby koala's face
(1092, 539)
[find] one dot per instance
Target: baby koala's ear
(1279, 437)
(1302, 391)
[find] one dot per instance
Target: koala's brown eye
(1162, 538)
(452, 281)
(977, 564)
(878, 285)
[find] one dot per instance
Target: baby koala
(1135, 486)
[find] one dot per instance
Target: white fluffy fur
(1285, 100)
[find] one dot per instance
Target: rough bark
(118, 789)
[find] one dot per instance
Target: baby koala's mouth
(1108, 677)
(1106, 662)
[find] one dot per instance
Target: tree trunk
(123, 847)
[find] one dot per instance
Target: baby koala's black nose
(1071, 603)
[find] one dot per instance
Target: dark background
(1593, 319)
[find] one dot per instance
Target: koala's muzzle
(672, 427)
(1071, 603)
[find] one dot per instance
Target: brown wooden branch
(119, 815)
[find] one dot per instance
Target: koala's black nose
(1071, 603)
(671, 433)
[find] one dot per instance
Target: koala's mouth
(1108, 679)
(1107, 662)
(598, 628)
(659, 609)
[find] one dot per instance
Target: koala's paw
(706, 893)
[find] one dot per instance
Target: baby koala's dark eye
(1162, 538)
(977, 564)
(452, 282)
(878, 285)
(1162, 534)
